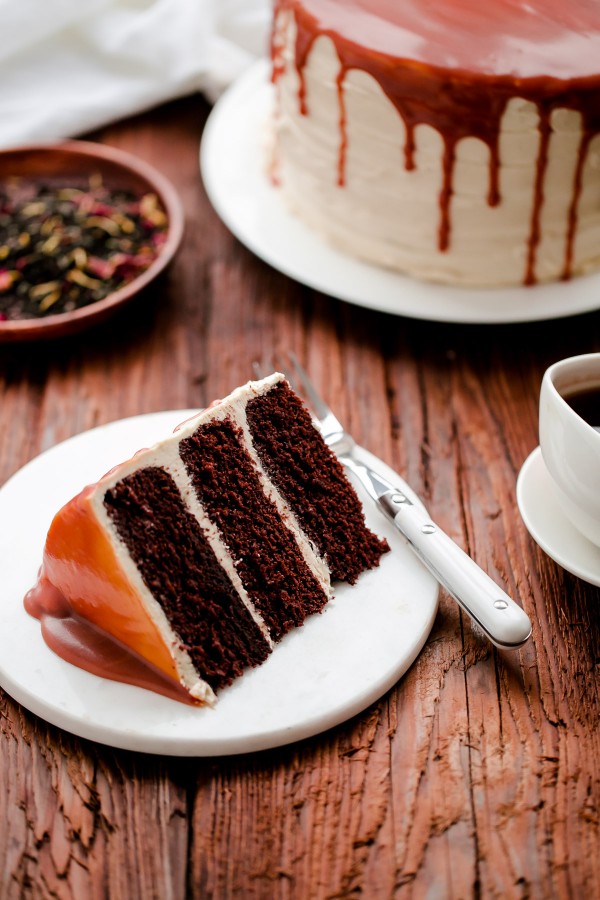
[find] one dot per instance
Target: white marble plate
(232, 162)
(547, 524)
(332, 668)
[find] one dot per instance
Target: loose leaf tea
(63, 247)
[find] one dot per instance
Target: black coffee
(586, 404)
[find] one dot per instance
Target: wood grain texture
(478, 774)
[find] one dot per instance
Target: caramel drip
(409, 146)
(343, 129)
(538, 195)
(446, 194)
(457, 103)
(572, 220)
(493, 197)
(83, 645)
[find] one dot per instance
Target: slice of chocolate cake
(191, 560)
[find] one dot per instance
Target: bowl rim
(65, 323)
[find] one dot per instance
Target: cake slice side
(189, 556)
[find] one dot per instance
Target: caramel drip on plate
(464, 91)
(82, 644)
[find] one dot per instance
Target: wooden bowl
(77, 160)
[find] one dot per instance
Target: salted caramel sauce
(454, 65)
(83, 645)
(90, 614)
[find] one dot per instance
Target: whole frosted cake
(451, 140)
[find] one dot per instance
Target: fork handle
(504, 622)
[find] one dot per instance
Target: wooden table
(476, 775)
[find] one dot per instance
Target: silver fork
(502, 620)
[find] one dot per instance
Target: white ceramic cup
(570, 445)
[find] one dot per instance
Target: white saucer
(329, 670)
(232, 161)
(547, 524)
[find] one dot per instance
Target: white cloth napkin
(69, 66)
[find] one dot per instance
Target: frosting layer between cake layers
(454, 141)
(183, 566)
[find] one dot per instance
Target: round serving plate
(319, 675)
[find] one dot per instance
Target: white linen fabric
(69, 66)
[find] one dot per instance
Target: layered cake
(185, 565)
(450, 140)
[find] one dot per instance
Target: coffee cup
(569, 429)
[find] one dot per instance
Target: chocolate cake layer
(180, 569)
(265, 553)
(312, 480)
